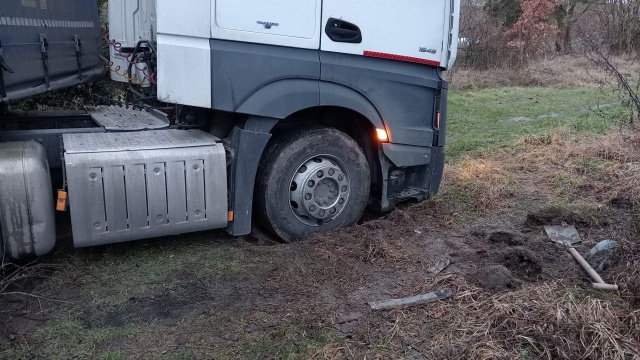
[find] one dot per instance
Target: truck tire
(311, 181)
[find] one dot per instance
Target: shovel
(568, 236)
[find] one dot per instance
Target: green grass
(494, 118)
(65, 338)
(109, 275)
(293, 342)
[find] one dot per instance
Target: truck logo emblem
(268, 25)
(430, 51)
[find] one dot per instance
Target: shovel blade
(565, 235)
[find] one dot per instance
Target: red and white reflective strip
(401, 58)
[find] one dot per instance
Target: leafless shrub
(627, 86)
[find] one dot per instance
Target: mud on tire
(311, 181)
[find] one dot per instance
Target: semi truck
(296, 115)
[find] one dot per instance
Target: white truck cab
(295, 113)
(422, 32)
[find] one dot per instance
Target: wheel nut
(322, 213)
(344, 188)
(312, 208)
(331, 172)
(332, 211)
(311, 183)
(308, 197)
(341, 201)
(340, 177)
(320, 174)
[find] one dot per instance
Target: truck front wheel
(311, 181)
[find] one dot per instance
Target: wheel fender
(281, 98)
(332, 94)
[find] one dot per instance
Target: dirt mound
(522, 262)
(557, 215)
(494, 278)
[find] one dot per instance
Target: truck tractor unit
(295, 114)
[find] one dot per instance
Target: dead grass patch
(538, 321)
(561, 164)
(552, 320)
(583, 213)
(483, 181)
(383, 249)
(563, 71)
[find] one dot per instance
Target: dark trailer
(47, 45)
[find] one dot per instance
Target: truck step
(117, 118)
(135, 185)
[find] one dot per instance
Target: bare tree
(620, 20)
(566, 15)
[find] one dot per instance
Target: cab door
(409, 30)
(292, 23)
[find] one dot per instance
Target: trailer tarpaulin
(47, 45)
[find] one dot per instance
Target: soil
(494, 278)
(323, 282)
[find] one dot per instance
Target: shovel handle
(585, 265)
(600, 286)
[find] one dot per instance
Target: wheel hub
(319, 190)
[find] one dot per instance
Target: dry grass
(482, 180)
(550, 320)
(538, 321)
(557, 166)
(562, 71)
(597, 167)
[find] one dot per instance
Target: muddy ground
(319, 287)
(516, 294)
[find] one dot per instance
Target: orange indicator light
(382, 135)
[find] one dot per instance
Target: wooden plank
(411, 301)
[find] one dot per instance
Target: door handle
(343, 31)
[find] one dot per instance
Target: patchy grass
(66, 338)
(208, 295)
(294, 342)
(110, 275)
(494, 118)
